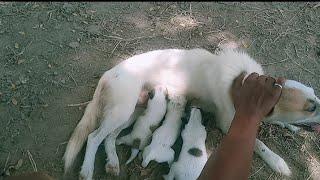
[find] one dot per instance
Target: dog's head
(298, 105)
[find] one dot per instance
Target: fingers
(237, 82)
(270, 80)
(281, 80)
(262, 79)
(252, 76)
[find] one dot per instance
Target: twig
(113, 37)
(115, 47)
(267, 64)
(60, 145)
(6, 163)
(302, 67)
(270, 175)
(141, 37)
(79, 104)
(317, 5)
(33, 163)
(257, 171)
(53, 43)
(73, 80)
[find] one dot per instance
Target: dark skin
(253, 100)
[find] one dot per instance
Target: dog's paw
(86, 173)
(279, 165)
(293, 128)
(112, 168)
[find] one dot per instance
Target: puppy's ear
(151, 94)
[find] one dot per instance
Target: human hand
(257, 96)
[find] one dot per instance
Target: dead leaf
(20, 61)
(14, 101)
(22, 33)
(16, 45)
(13, 86)
(286, 134)
(19, 164)
(74, 44)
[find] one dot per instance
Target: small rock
(19, 164)
(74, 44)
(93, 29)
(20, 61)
(55, 73)
(13, 86)
(14, 101)
(16, 45)
(63, 81)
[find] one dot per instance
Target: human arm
(253, 100)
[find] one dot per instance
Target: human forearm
(233, 158)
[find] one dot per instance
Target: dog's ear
(151, 94)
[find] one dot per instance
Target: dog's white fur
(112, 161)
(196, 74)
(188, 166)
(142, 129)
(164, 137)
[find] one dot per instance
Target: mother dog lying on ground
(197, 74)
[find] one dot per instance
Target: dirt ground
(52, 55)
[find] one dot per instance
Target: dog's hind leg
(113, 120)
(272, 159)
(116, 113)
(112, 164)
(112, 161)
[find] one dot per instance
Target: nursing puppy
(193, 155)
(147, 123)
(164, 137)
(196, 74)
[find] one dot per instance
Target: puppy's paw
(112, 168)
(279, 165)
(86, 173)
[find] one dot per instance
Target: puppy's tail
(86, 125)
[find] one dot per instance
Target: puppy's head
(298, 105)
(158, 92)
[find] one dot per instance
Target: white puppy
(196, 74)
(193, 155)
(147, 123)
(164, 137)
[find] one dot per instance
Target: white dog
(196, 74)
(193, 155)
(164, 137)
(147, 123)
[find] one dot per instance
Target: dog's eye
(311, 106)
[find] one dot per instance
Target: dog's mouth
(309, 126)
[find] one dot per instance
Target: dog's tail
(86, 125)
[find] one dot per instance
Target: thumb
(237, 82)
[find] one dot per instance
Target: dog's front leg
(271, 158)
(292, 128)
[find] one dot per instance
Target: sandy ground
(52, 55)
